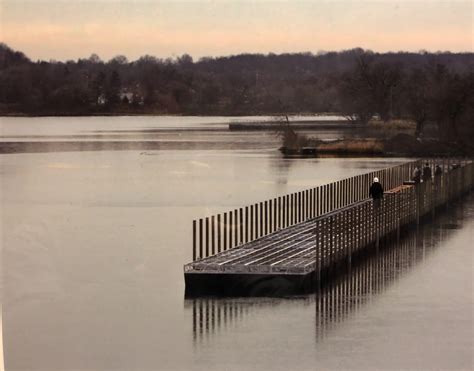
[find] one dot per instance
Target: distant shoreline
(126, 114)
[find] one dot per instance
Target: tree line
(360, 84)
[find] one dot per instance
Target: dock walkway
(302, 252)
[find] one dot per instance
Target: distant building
(101, 100)
(127, 96)
(124, 94)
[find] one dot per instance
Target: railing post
(225, 231)
(236, 228)
(219, 233)
(207, 237)
(194, 240)
(279, 213)
(275, 214)
(300, 206)
(265, 220)
(231, 228)
(318, 252)
(246, 224)
(213, 235)
(241, 225)
(251, 222)
(200, 240)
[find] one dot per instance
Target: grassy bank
(398, 145)
(352, 146)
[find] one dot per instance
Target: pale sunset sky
(70, 29)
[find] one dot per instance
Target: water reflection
(343, 297)
(346, 295)
(211, 315)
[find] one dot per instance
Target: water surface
(93, 247)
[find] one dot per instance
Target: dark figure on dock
(426, 173)
(376, 192)
(437, 178)
(417, 175)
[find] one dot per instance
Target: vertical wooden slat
(358, 183)
(337, 226)
(321, 199)
(318, 251)
(327, 198)
(287, 218)
(246, 224)
(353, 185)
(241, 225)
(290, 207)
(219, 236)
(251, 221)
(257, 220)
(348, 196)
(324, 199)
(236, 228)
(307, 203)
(303, 202)
(201, 242)
(231, 230)
(332, 194)
(279, 212)
(297, 206)
(194, 240)
(338, 194)
(207, 237)
(331, 238)
(275, 214)
(213, 235)
(330, 199)
(266, 217)
(224, 235)
(294, 208)
(343, 193)
(324, 237)
(300, 204)
(317, 201)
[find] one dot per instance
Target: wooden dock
(364, 281)
(315, 235)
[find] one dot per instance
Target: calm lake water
(94, 242)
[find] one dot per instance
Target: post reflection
(210, 315)
(344, 296)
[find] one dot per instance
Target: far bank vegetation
(420, 93)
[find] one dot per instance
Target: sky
(71, 29)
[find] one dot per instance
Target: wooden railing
(217, 233)
(340, 234)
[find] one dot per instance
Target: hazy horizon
(61, 30)
(196, 59)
